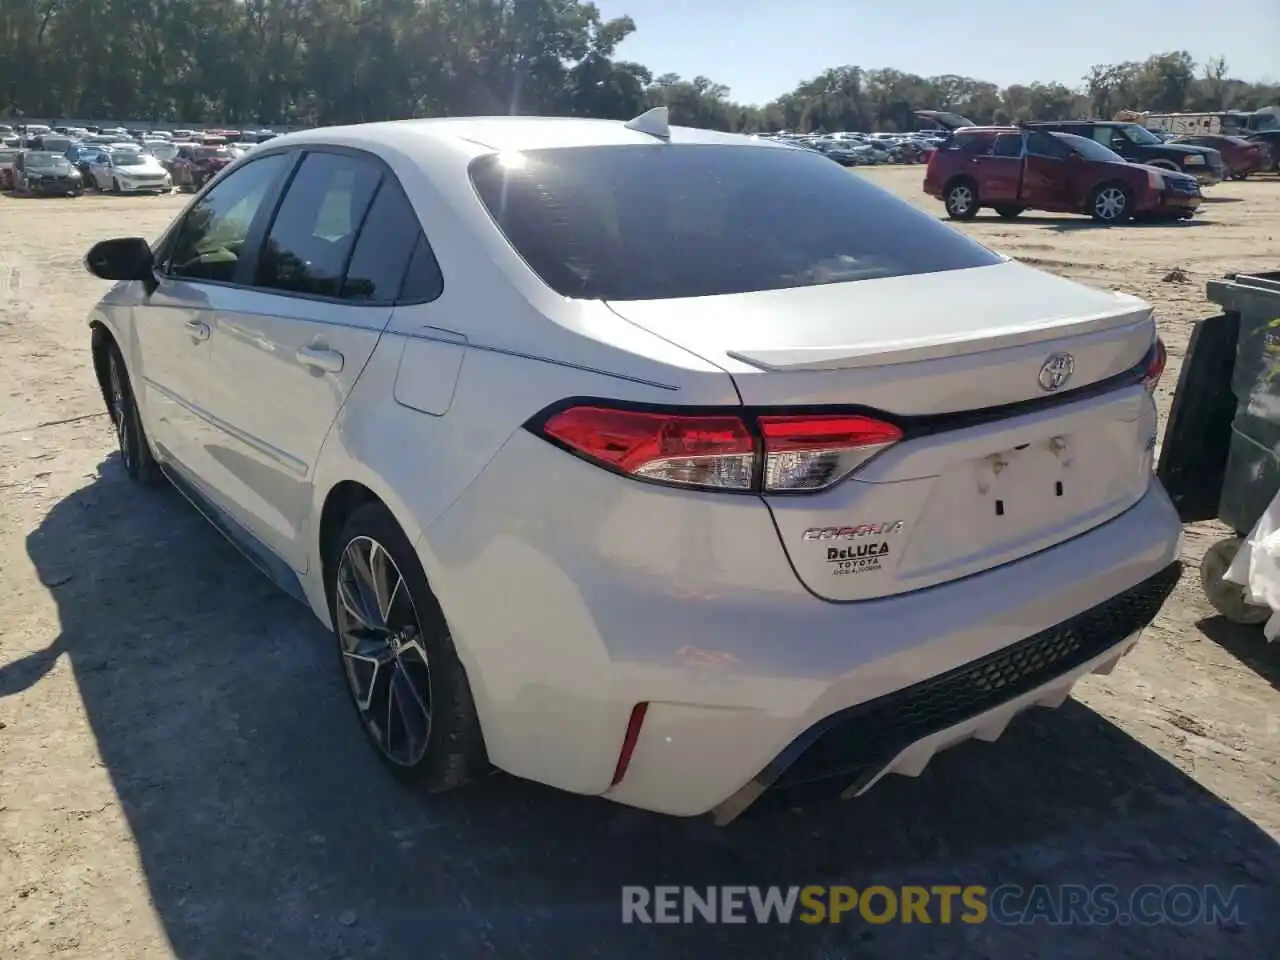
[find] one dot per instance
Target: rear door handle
(198, 329)
(320, 358)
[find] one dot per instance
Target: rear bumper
(900, 732)
(622, 593)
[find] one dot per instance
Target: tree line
(307, 62)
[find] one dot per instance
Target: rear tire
(1010, 213)
(1111, 203)
(1229, 599)
(407, 685)
(961, 200)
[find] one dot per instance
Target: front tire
(961, 200)
(115, 185)
(1111, 203)
(122, 408)
(402, 671)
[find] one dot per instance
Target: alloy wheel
(383, 656)
(118, 407)
(959, 200)
(1110, 203)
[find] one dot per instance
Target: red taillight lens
(773, 454)
(1156, 360)
(695, 451)
(809, 453)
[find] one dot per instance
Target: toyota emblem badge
(1056, 371)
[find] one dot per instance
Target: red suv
(1011, 169)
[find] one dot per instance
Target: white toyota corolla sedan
(654, 463)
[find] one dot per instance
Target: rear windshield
(648, 223)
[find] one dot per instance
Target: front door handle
(198, 329)
(320, 358)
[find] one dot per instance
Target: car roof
(507, 134)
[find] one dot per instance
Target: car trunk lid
(1022, 426)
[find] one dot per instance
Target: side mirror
(128, 258)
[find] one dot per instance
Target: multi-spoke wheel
(961, 200)
(386, 664)
(1110, 204)
(135, 451)
(398, 658)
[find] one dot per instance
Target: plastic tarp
(1257, 566)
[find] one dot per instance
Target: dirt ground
(180, 775)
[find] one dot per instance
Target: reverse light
(1156, 360)
(733, 452)
(809, 453)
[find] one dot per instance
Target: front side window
(212, 236)
(653, 222)
(1046, 145)
(314, 231)
(1136, 134)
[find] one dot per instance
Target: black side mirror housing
(127, 258)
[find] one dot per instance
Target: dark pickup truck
(1137, 144)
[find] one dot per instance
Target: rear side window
(663, 221)
(387, 241)
(970, 142)
(1007, 145)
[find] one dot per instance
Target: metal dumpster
(1221, 452)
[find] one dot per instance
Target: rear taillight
(1157, 357)
(731, 451)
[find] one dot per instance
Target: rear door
(998, 170)
(1047, 182)
(290, 343)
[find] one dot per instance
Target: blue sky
(762, 48)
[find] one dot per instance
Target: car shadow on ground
(1247, 644)
(1223, 199)
(1067, 223)
(266, 827)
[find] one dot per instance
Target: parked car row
(35, 135)
(857, 149)
(115, 167)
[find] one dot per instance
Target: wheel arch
(341, 499)
(1164, 163)
(100, 342)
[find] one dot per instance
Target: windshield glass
(642, 223)
(1090, 149)
(127, 159)
(1140, 134)
(46, 161)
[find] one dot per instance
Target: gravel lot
(180, 775)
